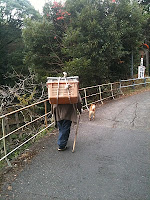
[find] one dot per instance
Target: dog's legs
(90, 116)
(93, 116)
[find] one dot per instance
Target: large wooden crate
(63, 90)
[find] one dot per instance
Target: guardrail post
(120, 86)
(133, 84)
(4, 141)
(145, 82)
(85, 98)
(100, 94)
(111, 90)
(45, 103)
(17, 119)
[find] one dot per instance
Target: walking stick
(74, 143)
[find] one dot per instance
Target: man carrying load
(65, 102)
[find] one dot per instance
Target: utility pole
(147, 61)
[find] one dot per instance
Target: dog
(92, 112)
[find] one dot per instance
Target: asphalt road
(111, 160)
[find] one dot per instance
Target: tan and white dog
(92, 112)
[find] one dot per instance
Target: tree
(25, 91)
(12, 14)
(100, 39)
(145, 4)
(41, 48)
(43, 40)
(130, 22)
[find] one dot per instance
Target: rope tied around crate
(66, 87)
(58, 89)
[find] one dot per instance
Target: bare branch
(26, 90)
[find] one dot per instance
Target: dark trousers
(64, 131)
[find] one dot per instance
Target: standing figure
(64, 115)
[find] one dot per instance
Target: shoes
(62, 148)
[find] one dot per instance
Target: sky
(38, 4)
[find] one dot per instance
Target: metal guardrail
(94, 94)
(134, 82)
(5, 136)
(99, 93)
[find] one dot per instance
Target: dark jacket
(66, 111)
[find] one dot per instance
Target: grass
(138, 89)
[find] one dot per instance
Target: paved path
(111, 161)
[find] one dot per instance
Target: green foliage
(12, 14)
(146, 5)
(26, 99)
(43, 41)
(17, 10)
(104, 33)
(43, 133)
(40, 46)
(80, 66)
(91, 38)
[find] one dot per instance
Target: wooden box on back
(63, 90)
